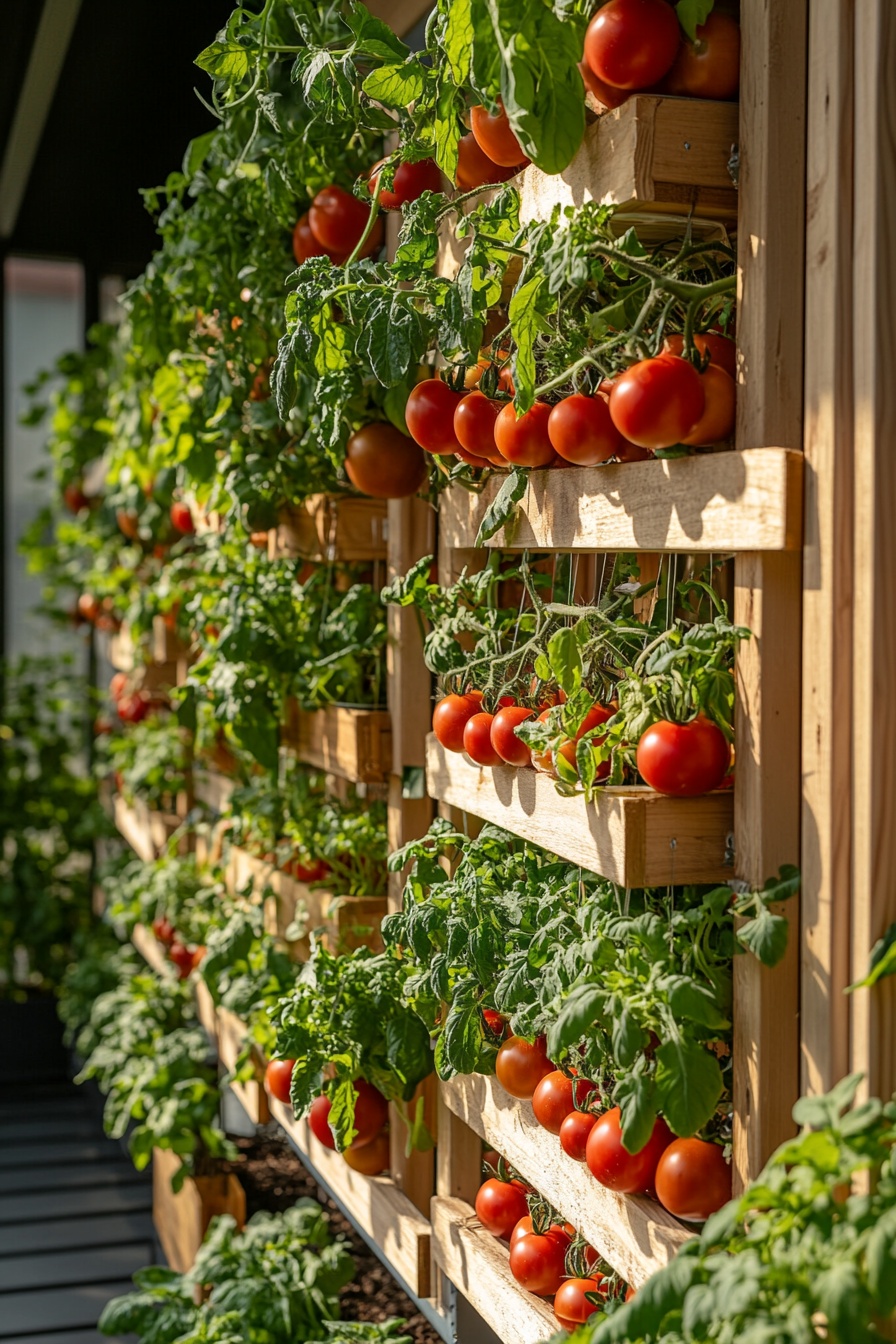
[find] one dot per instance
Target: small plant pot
(182, 1219)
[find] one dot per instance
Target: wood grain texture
(459, 1153)
(353, 743)
(630, 835)
(873, 1043)
(211, 788)
(205, 1011)
(151, 950)
(328, 528)
(716, 502)
(181, 1219)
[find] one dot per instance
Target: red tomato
(371, 1112)
(553, 1100)
(495, 1023)
(278, 1077)
(370, 1159)
(657, 402)
(596, 715)
(611, 1163)
(571, 1306)
(409, 183)
(474, 426)
(630, 1292)
(525, 442)
(721, 349)
(520, 1066)
(481, 462)
(133, 708)
(717, 421)
(318, 1121)
(198, 956)
(709, 67)
(430, 415)
(500, 1205)
(478, 740)
(88, 607)
(604, 93)
(382, 462)
(182, 518)
(75, 498)
(338, 220)
(683, 759)
(574, 1133)
(630, 44)
(449, 719)
(581, 430)
(538, 1263)
(504, 739)
(163, 930)
(495, 137)
(476, 169)
(633, 452)
(693, 1179)
(544, 760)
(118, 684)
(305, 245)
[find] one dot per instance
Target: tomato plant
(474, 426)
(450, 718)
(409, 182)
(556, 1096)
(503, 735)
(370, 1158)
(573, 1301)
(478, 740)
(494, 136)
(574, 1131)
(382, 462)
(657, 402)
(708, 66)
(538, 1262)
(525, 441)
(582, 431)
(430, 414)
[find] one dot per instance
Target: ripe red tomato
(181, 957)
(318, 1121)
(520, 1066)
(495, 1023)
(182, 518)
(633, 452)
(430, 415)
(500, 1205)
(574, 1133)
(616, 1168)
(581, 430)
(721, 349)
(133, 708)
(75, 498)
(474, 426)
(553, 1100)
(449, 719)
(278, 1077)
(163, 930)
(478, 740)
(604, 93)
(409, 183)
(571, 1306)
(538, 1263)
(525, 442)
(198, 955)
(495, 137)
(683, 759)
(504, 739)
(338, 220)
(693, 1179)
(305, 245)
(382, 462)
(370, 1159)
(709, 67)
(475, 168)
(371, 1112)
(630, 44)
(657, 402)
(717, 421)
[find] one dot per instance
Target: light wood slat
(326, 528)
(146, 832)
(151, 950)
(231, 1039)
(212, 789)
(355, 744)
(630, 835)
(401, 15)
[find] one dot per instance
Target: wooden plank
(16, 1209)
(630, 835)
(151, 950)
(49, 1309)
(231, 1039)
(478, 1265)
(385, 1214)
(182, 1219)
(459, 1154)
(355, 744)
(712, 503)
(146, 832)
(633, 1233)
(328, 528)
(827, 551)
(59, 1268)
(873, 1027)
(114, 1229)
(205, 1011)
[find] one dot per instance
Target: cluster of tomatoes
(368, 1152)
(185, 958)
(689, 1177)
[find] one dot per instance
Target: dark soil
(274, 1178)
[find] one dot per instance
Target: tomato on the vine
(604, 93)
(382, 462)
(478, 739)
(430, 415)
(657, 402)
(717, 421)
(305, 245)
(371, 1158)
(475, 168)
(278, 1077)
(613, 1165)
(525, 441)
(710, 66)
(683, 759)
(581, 430)
(574, 1133)
(504, 739)
(408, 184)
(338, 221)
(371, 1112)
(630, 44)
(720, 349)
(182, 518)
(450, 716)
(495, 1022)
(134, 708)
(500, 1205)
(318, 1121)
(520, 1065)
(554, 1098)
(538, 1262)
(163, 930)
(693, 1179)
(571, 1305)
(496, 138)
(474, 426)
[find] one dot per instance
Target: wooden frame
(355, 744)
(326, 528)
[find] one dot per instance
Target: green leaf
(842, 1297)
(395, 85)
(525, 324)
(575, 1017)
(541, 85)
(694, 1002)
(457, 39)
(503, 507)
(196, 152)
(688, 1084)
(882, 963)
(765, 936)
(224, 60)
(566, 659)
(880, 1261)
(692, 13)
(635, 1095)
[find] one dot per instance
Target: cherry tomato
(482, 463)
(633, 452)
(717, 421)
(525, 442)
(371, 1112)
(571, 1305)
(370, 1159)
(596, 715)
(721, 349)
(613, 1165)
(495, 137)
(657, 402)
(581, 430)
(430, 415)
(478, 740)
(574, 1133)
(630, 44)
(538, 1263)
(382, 462)
(474, 426)
(553, 1100)
(338, 220)
(709, 67)
(305, 245)
(163, 930)
(318, 1121)
(520, 1066)
(182, 518)
(504, 739)
(278, 1078)
(500, 1205)
(75, 498)
(476, 169)
(450, 717)
(693, 1179)
(683, 759)
(409, 183)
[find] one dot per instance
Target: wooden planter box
(353, 743)
(631, 835)
(253, 1098)
(211, 788)
(331, 528)
(182, 1219)
(146, 832)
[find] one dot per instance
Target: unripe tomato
(553, 1100)
(613, 1165)
(520, 1066)
(525, 441)
(278, 1077)
(709, 67)
(474, 426)
(370, 1159)
(683, 759)
(495, 137)
(500, 1205)
(717, 421)
(382, 462)
(571, 1305)
(182, 518)
(430, 415)
(657, 402)
(475, 168)
(581, 430)
(504, 739)
(478, 740)
(630, 44)
(338, 220)
(318, 1121)
(693, 1180)
(450, 717)
(574, 1133)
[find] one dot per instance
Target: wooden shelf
(146, 832)
(206, 1012)
(375, 1203)
(478, 1265)
(151, 950)
(715, 502)
(212, 789)
(353, 743)
(633, 1233)
(231, 1034)
(326, 528)
(630, 835)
